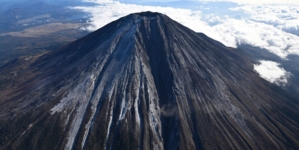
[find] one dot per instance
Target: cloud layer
(258, 34)
(282, 17)
(258, 2)
(271, 71)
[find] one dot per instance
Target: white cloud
(99, 1)
(271, 72)
(283, 17)
(259, 2)
(260, 35)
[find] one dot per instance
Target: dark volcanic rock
(146, 82)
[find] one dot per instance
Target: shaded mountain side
(145, 82)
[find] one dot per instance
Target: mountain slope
(145, 82)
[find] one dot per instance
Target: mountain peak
(143, 16)
(148, 14)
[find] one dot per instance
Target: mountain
(143, 82)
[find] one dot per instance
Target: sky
(256, 2)
(269, 24)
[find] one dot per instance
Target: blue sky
(258, 2)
